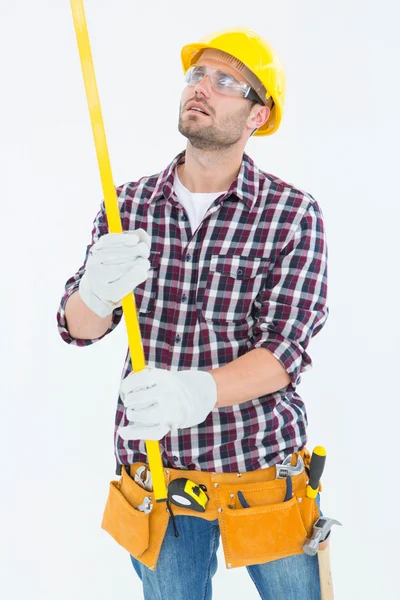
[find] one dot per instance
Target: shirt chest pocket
(232, 285)
(146, 293)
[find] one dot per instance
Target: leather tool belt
(267, 530)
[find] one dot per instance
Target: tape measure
(187, 494)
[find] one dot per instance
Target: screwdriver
(317, 465)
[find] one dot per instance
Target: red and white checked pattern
(252, 275)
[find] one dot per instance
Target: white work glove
(117, 263)
(157, 400)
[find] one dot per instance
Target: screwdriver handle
(317, 465)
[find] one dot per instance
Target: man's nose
(204, 86)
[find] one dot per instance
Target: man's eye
(225, 81)
(198, 73)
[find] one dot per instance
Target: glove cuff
(102, 308)
(202, 389)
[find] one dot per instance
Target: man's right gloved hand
(116, 264)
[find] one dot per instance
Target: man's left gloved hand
(157, 400)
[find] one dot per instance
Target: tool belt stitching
(161, 539)
(260, 488)
(239, 512)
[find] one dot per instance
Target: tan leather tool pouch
(270, 528)
(139, 533)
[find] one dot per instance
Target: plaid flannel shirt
(253, 275)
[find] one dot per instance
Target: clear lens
(195, 75)
(220, 81)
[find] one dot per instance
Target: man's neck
(205, 171)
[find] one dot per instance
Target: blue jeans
(187, 564)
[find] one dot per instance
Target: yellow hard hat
(257, 55)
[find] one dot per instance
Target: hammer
(319, 543)
(321, 530)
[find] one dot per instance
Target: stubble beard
(213, 137)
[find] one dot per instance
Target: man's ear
(259, 115)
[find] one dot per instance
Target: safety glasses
(221, 82)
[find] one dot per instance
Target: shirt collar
(245, 187)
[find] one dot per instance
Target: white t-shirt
(195, 204)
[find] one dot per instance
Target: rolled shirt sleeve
(292, 307)
(100, 227)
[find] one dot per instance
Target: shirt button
(184, 298)
(178, 339)
(175, 458)
(183, 217)
(239, 272)
(188, 257)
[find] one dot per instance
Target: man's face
(228, 118)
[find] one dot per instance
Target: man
(228, 268)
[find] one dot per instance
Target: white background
(338, 140)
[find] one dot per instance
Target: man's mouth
(197, 107)
(198, 110)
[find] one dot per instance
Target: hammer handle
(325, 574)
